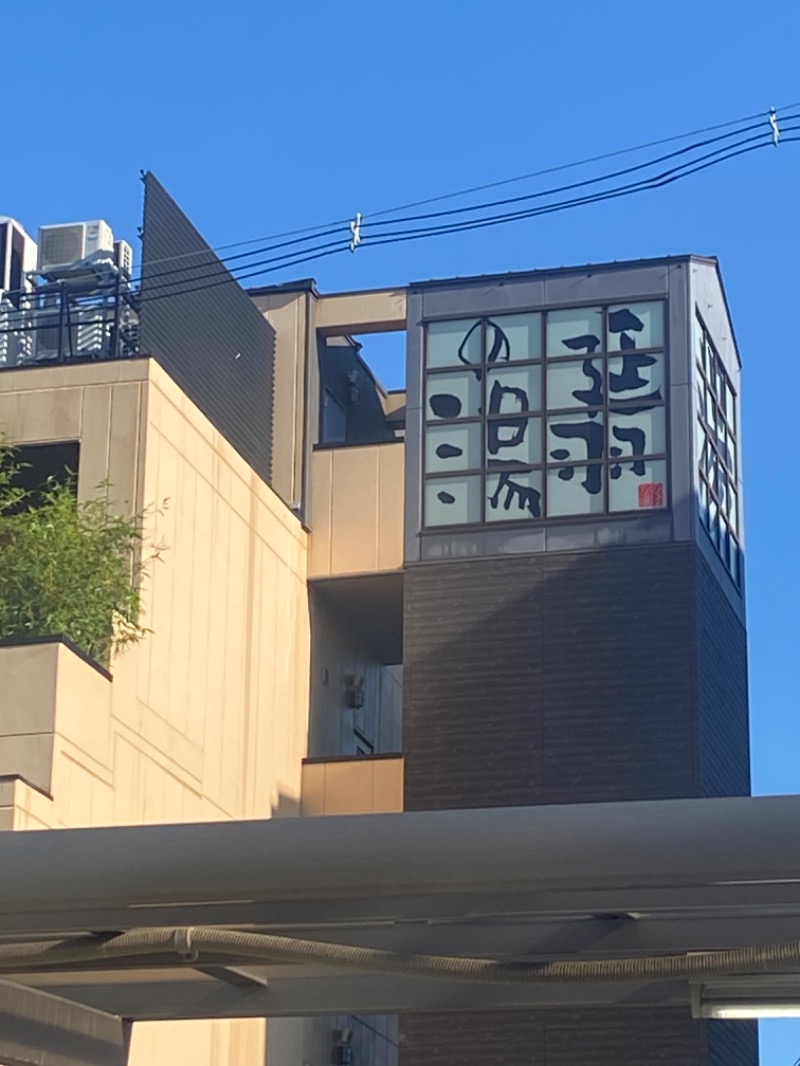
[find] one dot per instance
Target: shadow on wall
(286, 807)
(592, 676)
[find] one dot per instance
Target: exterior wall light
(740, 1002)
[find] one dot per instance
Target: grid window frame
(718, 457)
(613, 466)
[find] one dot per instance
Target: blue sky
(262, 117)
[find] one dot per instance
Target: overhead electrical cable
(316, 231)
(156, 285)
(367, 225)
(290, 260)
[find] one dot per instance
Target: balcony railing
(69, 321)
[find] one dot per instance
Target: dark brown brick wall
(551, 679)
(617, 674)
(558, 1038)
(721, 691)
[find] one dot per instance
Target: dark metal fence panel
(204, 329)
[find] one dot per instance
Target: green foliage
(69, 567)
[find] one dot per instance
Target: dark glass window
(334, 419)
(41, 463)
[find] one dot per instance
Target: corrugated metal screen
(204, 329)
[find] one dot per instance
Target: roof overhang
(525, 884)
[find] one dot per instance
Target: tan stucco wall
(358, 785)
(207, 718)
(356, 514)
(55, 709)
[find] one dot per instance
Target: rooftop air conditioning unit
(17, 258)
(123, 257)
(63, 245)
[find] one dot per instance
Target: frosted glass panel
(455, 395)
(575, 490)
(456, 447)
(514, 440)
(513, 495)
(635, 326)
(452, 501)
(641, 433)
(578, 330)
(575, 384)
(453, 343)
(514, 389)
(634, 377)
(513, 337)
(638, 486)
(575, 438)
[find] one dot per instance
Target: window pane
(708, 461)
(734, 561)
(713, 521)
(713, 371)
(633, 377)
(710, 409)
(730, 408)
(514, 337)
(699, 442)
(727, 543)
(734, 511)
(514, 440)
(575, 438)
(452, 501)
(732, 455)
(699, 343)
(635, 326)
(578, 330)
(641, 433)
(453, 343)
(514, 389)
(453, 447)
(575, 490)
(703, 503)
(575, 384)
(334, 419)
(453, 395)
(512, 495)
(637, 486)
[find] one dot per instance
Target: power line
(452, 211)
(213, 269)
(666, 178)
(655, 181)
(312, 232)
(579, 163)
(220, 274)
(579, 184)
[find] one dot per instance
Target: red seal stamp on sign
(651, 494)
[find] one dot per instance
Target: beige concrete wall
(369, 311)
(206, 719)
(55, 706)
(354, 785)
(356, 514)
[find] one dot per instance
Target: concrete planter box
(50, 691)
